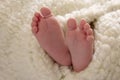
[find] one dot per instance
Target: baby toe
(34, 30)
(90, 38)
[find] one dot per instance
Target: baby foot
(80, 43)
(50, 36)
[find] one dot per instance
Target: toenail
(72, 24)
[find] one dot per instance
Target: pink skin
(79, 39)
(50, 36)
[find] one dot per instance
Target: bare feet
(50, 36)
(80, 43)
(78, 38)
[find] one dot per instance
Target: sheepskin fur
(22, 58)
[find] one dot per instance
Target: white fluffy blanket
(21, 57)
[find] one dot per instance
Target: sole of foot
(47, 30)
(80, 39)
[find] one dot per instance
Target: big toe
(71, 23)
(45, 12)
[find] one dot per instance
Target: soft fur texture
(21, 57)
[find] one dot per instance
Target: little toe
(46, 12)
(82, 23)
(90, 38)
(71, 23)
(34, 30)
